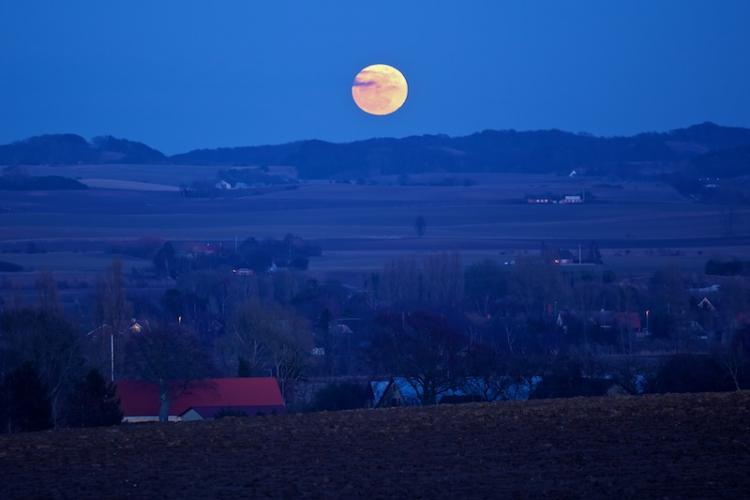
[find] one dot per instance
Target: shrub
(691, 373)
(230, 412)
(94, 403)
(26, 406)
(340, 396)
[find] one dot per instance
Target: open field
(171, 175)
(670, 446)
(639, 226)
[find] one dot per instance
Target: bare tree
(47, 292)
(421, 347)
(112, 316)
(49, 343)
(435, 280)
(271, 339)
(170, 357)
(112, 306)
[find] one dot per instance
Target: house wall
(147, 418)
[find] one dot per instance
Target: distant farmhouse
(201, 399)
(555, 199)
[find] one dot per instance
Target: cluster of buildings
(549, 199)
(251, 396)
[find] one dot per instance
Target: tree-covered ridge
(707, 149)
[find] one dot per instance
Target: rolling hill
(699, 149)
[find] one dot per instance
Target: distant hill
(732, 162)
(72, 149)
(114, 150)
(693, 149)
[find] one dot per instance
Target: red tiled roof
(140, 399)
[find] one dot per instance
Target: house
(564, 257)
(243, 271)
(628, 321)
(201, 399)
(622, 321)
(706, 305)
(539, 200)
(569, 199)
(398, 391)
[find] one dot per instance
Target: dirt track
(672, 446)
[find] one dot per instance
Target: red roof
(141, 399)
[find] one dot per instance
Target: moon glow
(379, 89)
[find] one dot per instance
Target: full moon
(379, 89)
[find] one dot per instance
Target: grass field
(670, 446)
(359, 227)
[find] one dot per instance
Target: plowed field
(672, 446)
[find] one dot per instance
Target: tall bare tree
(112, 316)
(423, 348)
(49, 343)
(271, 339)
(170, 357)
(46, 288)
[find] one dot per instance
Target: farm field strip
(675, 446)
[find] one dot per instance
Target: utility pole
(111, 348)
(112, 355)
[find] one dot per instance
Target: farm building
(571, 199)
(396, 391)
(201, 399)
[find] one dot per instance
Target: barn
(201, 399)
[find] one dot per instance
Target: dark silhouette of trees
(340, 396)
(113, 313)
(485, 283)
(93, 402)
(435, 280)
(50, 344)
(47, 293)
(25, 402)
(691, 373)
(170, 357)
(269, 339)
(165, 261)
(422, 347)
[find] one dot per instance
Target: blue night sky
(186, 74)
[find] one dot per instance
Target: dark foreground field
(672, 446)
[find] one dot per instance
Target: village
(243, 329)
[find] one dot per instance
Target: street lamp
(648, 314)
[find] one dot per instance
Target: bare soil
(671, 446)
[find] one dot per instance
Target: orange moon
(379, 89)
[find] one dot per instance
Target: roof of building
(139, 398)
(514, 390)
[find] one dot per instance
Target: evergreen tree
(26, 401)
(94, 402)
(243, 368)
